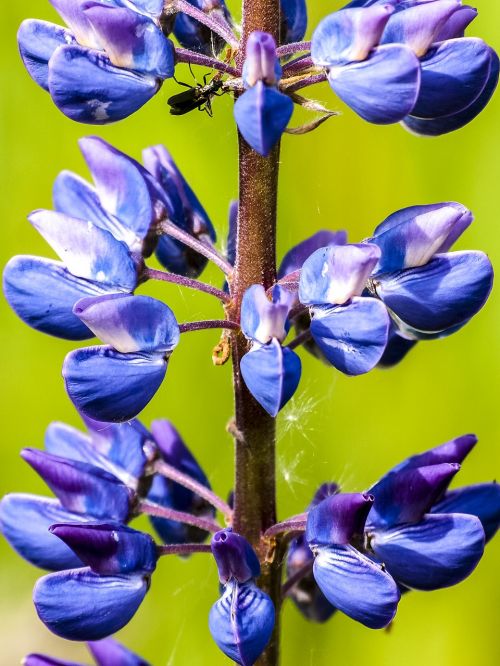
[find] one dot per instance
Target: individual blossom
(271, 372)
(195, 36)
(105, 653)
(94, 601)
(111, 60)
(140, 334)
(407, 61)
(262, 112)
(242, 621)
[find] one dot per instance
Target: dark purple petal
(412, 236)
(352, 337)
(356, 585)
(241, 622)
(382, 89)
(130, 323)
(337, 519)
(263, 319)
(419, 25)
(109, 549)
(80, 487)
(235, 557)
(349, 35)
(135, 379)
(271, 374)
(195, 36)
(396, 350)
(294, 258)
(445, 124)
(405, 496)
(37, 41)
(108, 651)
(262, 114)
(481, 500)
(261, 63)
(457, 23)
(131, 40)
(334, 274)
(325, 491)
(122, 186)
(87, 251)
(175, 452)
(439, 551)
(41, 660)
(86, 87)
(25, 521)
(79, 605)
(430, 301)
(293, 21)
(454, 451)
(454, 74)
(43, 292)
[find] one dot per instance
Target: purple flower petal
(42, 660)
(25, 521)
(241, 622)
(454, 451)
(356, 585)
(294, 20)
(418, 25)
(87, 251)
(131, 40)
(457, 23)
(193, 35)
(337, 519)
(86, 87)
(295, 258)
(130, 323)
(81, 487)
(261, 62)
(122, 186)
(271, 374)
(43, 293)
(152, 7)
(396, 350)
(332, 275)
(37, 41)
(445, 124)
(454, 74)
(431, 300)
(352, 337)
(349, 35)
(406, 495)
(382, 89)
(481, 500)
(135, 379)
(263, 319)
(410, 237)
(262, 114)
(71, 12)
(79, 605)
(109, 549)
(175, 452)
(109, 651)
(439, 551)
(235, 557)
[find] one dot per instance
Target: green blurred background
(347, 174)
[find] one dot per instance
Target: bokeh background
(347, 174)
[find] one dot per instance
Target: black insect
(196, 97)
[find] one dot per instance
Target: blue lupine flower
(262, 112)
(428, 291)
(185, 211)
(351, 331)
(105, 652)
(242, 621)
(194, 35)
(294, 20)
(270, 371)
(392, 61)
(97, 600)
(170, 494)
(424, 550)
(111, 61)
(350, 580)
(306, 594)
(140, 334)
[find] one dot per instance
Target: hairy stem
(189, 283)
(253, 429)
(193, 58)
(152, 509)
(217, 25)
(184, 548)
